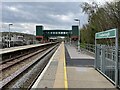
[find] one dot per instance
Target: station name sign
(106, 34)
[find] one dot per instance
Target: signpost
(112, 33)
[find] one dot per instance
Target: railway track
(10, 63)
(12, 66)
(21, 54)
(39, 56)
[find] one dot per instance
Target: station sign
(106, 34)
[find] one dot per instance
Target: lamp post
(9, 34)
(78, 20)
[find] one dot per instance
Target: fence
(89, 47)
(106, 59)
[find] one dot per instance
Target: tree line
(101, 18)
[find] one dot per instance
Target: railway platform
(13, 49)
(71, 69)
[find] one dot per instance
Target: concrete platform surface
(53, 74)
(81, 74)
(12, 49)
(86, 77)
(61, 73)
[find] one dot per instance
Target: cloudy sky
(52, 15)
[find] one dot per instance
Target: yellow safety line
(65, 71)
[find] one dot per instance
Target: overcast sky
(52, 15)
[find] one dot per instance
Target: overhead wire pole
(78, 34)
(9, 35)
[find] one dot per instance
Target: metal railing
(89, 47)
(106, 59)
